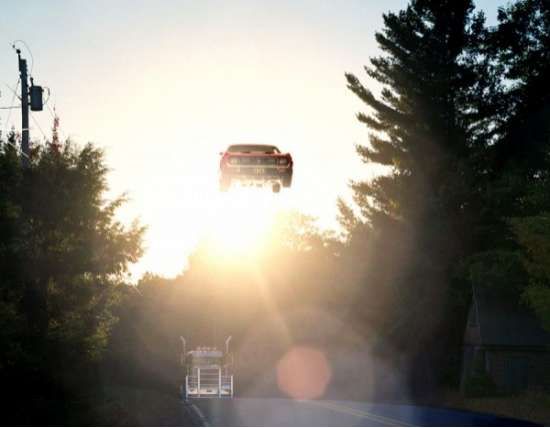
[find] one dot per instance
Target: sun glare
(243, 220)
(231, 226)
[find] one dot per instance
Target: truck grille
(209, 383)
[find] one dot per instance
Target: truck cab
(207, 374)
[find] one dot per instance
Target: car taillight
(283, 161)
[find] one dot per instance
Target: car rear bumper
(256, 173)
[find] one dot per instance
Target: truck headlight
(283, 161)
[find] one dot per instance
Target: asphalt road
(286, 412)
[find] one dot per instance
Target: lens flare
(303, 373)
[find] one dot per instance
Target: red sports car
(255, 164)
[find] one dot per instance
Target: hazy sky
(163, 86)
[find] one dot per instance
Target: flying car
(255, 165)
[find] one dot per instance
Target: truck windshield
(205, 361)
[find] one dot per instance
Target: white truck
(208, 372)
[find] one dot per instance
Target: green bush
(480, 385)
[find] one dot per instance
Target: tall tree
(423, 129)
(521, 42)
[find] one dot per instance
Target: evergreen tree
(521, 43)
(424, 127)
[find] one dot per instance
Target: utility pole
(34, 301)
(24, 109)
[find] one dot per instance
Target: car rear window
(252, 148)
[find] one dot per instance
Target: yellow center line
(358, 413)
(364, 414)
(389, 421)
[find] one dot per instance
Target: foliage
(516, 190)
(533, 234)
(480, 385)
(498, 270)
(63, 260)
(461, 125)
(414, 220)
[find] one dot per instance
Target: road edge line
(196, 414)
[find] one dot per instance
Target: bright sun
(231, 226)
(243, 220)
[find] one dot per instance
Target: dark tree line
(462, 125)
(63, 257)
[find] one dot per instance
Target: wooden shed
(504, 340)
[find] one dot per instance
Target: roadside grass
(529, 406)
(125, 406)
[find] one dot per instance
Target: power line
(12, 100)
(30, 97)
(53, 113)
(38, 126)
(14, 91)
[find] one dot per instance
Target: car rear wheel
(287, 181)
(276, 188)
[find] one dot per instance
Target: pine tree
(418, 124)
(424, 128)
(521, 42)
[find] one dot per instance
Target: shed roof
(504, 321)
